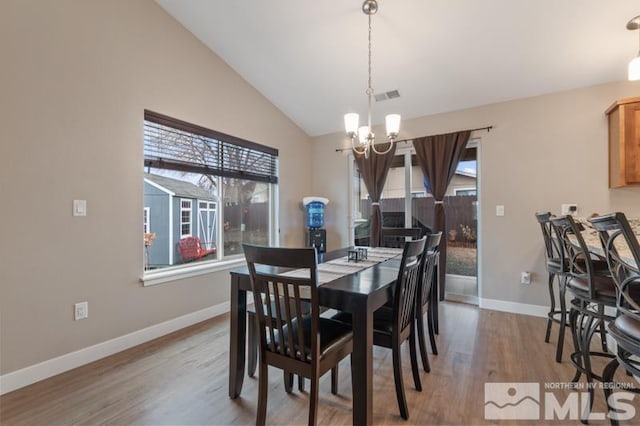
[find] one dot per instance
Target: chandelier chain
(365, 133)
(369, 88)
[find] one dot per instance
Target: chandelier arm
(361, 151)
(373, 147)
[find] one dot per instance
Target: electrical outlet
(81, 310)
(525, 277)
(571, 209)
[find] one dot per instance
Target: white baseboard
(514, 307)
(462, 298)
(37, 372)
(34, 373)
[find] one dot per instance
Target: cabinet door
(617, 173)
(631, 140)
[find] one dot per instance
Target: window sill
(180, 272)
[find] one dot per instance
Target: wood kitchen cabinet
(624, 142)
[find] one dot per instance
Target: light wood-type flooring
(181, 379)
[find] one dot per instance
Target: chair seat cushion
(600, 266)
(382, 319)
(332, 333)
(628, 326)
(556, 266)
(604, 286)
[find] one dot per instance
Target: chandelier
(364, 134)
(634, 65)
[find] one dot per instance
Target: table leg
(433, 300)
(237, 337)
(362, 365)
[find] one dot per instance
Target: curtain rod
(487, 128)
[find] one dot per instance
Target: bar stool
(625, 330)
(592, 291)
(558, 271)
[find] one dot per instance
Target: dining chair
(557, 271)
(253, 340)
(614, 231)
(392, 326)
(424, 299)
(396, 237)
(593, 291)
(299, 343)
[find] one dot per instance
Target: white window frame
(456, 190)
(182, 222)
(154, 157)
(146, 220)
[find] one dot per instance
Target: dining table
(359, 293)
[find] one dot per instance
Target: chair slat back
(407, 284)
(614, 229)
(552, 247)
(429, 261)
(574, 250)
(283, 323)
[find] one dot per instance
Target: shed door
(207, 224)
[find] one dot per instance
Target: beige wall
(76, 77)
(542, 152)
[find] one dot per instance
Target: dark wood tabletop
(360, 294)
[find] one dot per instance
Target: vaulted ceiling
(309, 58)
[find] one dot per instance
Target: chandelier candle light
(366, 138)
(634, 65)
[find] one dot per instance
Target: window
(146, 225)
(185, 218)
(464, 191)
(405, 200)
(216, 190)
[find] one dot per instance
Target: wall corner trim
(37, 372)
(514, 307)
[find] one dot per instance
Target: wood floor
(182, 379)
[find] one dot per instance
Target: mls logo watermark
(512, 401)
(522, 401)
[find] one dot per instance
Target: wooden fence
(460, 211)
(254, 216)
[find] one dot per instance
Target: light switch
(499, 210)
(79, 207)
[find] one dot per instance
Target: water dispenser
(316, 235)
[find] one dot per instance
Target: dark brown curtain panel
(438, 157)
(374, 172)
